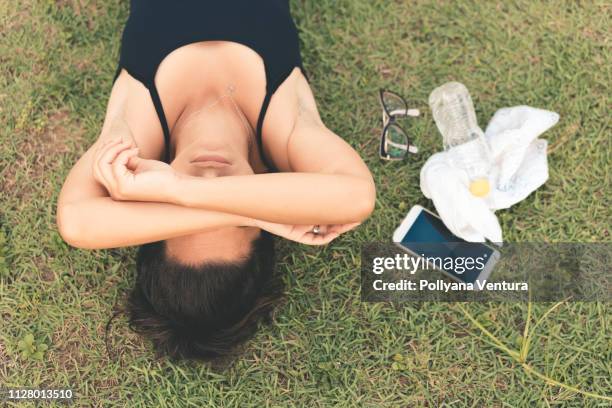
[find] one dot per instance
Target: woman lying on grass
(186, 167)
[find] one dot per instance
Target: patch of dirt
(594, 35)
(80, 8)
(46, 273)
(67, 345)
(38, 155)
(18, 18)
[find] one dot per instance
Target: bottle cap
(480, 187)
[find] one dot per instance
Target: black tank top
(155, 28)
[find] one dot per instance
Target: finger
(309, 229)
(109, 156)
(324, 239)
(98, 152)
(120, 172)
(98, 176)
(105, 145)
(134, 161)
(112, 150)
(323, 229)
(302, 229)
(119, 165)
(104, 163)
(310, 238)
(98, 173)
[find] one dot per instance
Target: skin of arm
(126, 223)
(295, 198)
(87, 217)
(323, 179)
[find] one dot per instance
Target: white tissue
(519, 168)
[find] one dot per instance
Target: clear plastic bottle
(453, 112)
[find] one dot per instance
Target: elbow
(364, 200)
(68, 226)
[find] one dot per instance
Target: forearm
(294, 198)
(102, 222)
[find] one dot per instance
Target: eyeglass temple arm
(407, 112)
(409, 147)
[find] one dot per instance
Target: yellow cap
(480, 187)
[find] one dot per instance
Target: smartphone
(423, 234)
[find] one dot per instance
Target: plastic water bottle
(453, 112)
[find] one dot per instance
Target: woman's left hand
(304, 233)
(128, 177)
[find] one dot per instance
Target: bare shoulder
(301, 142)
(130, 115)
(292, 106)
(130, 112)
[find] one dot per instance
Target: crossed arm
(116, 196)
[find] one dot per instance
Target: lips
(210, 160)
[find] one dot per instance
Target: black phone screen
(429, 238)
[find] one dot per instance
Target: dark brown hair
(202, 312)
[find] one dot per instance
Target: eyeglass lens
(396, 142)
(393, 103)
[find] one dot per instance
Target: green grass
(326, 348)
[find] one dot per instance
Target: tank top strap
(162, 119)
(258, 133)
(272, 84)
(159, 109)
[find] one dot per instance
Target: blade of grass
(551, 381)
(527, 367)
(525, 343)
(500, 345)
(540, 320)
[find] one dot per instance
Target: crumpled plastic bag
(519, 167)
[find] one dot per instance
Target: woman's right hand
(127, 177)
(304, 234)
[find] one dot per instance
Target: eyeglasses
(394, 141)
